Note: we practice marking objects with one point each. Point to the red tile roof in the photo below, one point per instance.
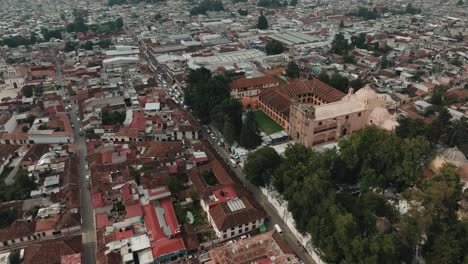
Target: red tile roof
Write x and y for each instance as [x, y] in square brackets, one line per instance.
[71, 259]
[133, 210]
[138, 121]
[102, 220]
[151, 222]
[96, 199]
[252, 82]
[280, 97]
[166, 246]
[123, 234]
[225, 219]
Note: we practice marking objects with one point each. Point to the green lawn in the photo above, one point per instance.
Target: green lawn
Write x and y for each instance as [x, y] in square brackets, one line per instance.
[266, 124]
[281, 81]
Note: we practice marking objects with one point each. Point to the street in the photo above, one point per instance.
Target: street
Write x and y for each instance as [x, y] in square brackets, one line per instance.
[87, 216]
[262, 200]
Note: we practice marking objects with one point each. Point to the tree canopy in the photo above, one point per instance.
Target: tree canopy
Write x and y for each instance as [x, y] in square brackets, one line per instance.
[7, 217]
[227, 118]
[250, 134]
[113, 117]
[336, 196]
[205, 6]
[262, 22]
[340, 45]
[261, 165]
[274, 47]
[292, 71]
[204, 92]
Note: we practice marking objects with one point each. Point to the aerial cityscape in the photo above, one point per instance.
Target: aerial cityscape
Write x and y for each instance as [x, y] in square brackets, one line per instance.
[234, 131]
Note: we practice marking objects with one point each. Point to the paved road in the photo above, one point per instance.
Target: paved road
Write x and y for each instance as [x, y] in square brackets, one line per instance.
[262, 200]
[87, 216]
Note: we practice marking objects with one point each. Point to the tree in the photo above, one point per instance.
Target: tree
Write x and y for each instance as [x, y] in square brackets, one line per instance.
[339, 82]
[15, 258]
[228, 116]
[261, 165]
[356, 84]
[242, 12]
[324, 77]
[411, 128]
[27, 91]
[113, 118]
[104, 43]
[293, 70]
[359, 41]
[250, 134]
[88, 45]
[437, 97]
[70, 46]
[262, 22]
[7, 217]
[205, 6]
[119, 23]
[342, 25]
[158, 17]
[349, 58]
[274, 47]
[293, 2]
[340, 45]
[116, 2]
[460, 2]
[204, 92]
[229, 131]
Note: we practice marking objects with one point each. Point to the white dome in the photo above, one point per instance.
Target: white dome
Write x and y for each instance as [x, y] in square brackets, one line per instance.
[366, 94]
[455, 156]
[379, 114]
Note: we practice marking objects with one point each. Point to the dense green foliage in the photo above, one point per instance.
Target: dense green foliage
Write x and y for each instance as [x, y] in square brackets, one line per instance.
[15, 258]
[292, 71]
[205, 6]
[274, 47]
[108, 27]
[124, 2]
[70, 46]
[227, 118]
[450, 133]
[340, 45]
[19, 40]
[336, 197]
[79, 24]
[88, 45]
[20, 190]
[365, 13]
[104, 43]
[262, 22]
[32, 90]
[261, 165]
[7, 217]
[48, 34]
[272, 3]
[204, 92]
[250, 134]
[242, 12]
[116, 2]
[337, 81]
[113, 118]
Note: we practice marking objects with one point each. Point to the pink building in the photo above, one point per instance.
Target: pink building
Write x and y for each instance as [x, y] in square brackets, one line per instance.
[312, 125]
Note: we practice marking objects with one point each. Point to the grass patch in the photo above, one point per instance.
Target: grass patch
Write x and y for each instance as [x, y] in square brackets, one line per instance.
[6, 171]
[282, 81]
[266, 124]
